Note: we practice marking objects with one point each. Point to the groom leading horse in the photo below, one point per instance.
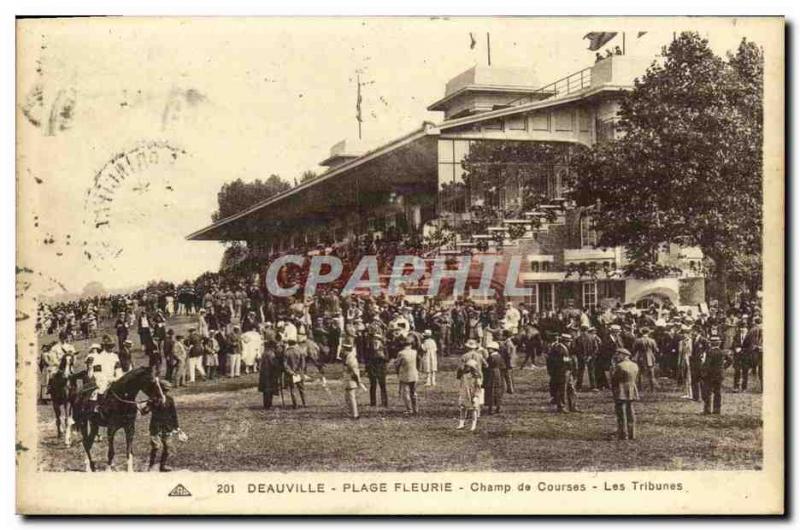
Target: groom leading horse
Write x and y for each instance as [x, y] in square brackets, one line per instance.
[115, 409]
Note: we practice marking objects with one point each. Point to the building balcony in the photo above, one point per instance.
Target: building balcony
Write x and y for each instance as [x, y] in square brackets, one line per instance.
[580, 255]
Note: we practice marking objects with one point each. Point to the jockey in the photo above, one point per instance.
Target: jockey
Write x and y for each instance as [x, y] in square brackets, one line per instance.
[104, 368]
[52, 357]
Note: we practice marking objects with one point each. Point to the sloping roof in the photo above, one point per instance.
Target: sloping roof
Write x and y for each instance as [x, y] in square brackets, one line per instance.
[375, 153]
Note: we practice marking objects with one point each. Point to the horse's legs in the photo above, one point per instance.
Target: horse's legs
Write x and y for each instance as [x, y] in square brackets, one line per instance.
[129, 431]
[88, 432]
[111, 432]
[68, 424]
[57, 410]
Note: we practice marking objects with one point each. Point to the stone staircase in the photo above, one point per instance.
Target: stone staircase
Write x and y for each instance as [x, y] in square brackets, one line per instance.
[494, 234]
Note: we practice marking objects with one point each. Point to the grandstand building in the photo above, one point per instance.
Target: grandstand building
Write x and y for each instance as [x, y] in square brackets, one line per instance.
[417, 184]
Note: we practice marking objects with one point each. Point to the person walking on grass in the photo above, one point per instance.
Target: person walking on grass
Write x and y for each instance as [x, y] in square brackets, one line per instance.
[408, 375]
[494, 384]
[179, 359]
[195, 361]
[645, 352]
[163, 426]
[623, 387]
[469, 390]
[269, 378]
[430, 361]
[715, 362]
[352, 379]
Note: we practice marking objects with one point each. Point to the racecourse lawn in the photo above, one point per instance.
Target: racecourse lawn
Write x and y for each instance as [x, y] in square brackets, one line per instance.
[229, 431]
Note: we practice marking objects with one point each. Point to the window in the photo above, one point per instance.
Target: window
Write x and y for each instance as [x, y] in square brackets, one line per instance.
[540, 121]
[494, 125]
[584, 120]
[564, 120]
[534, 266]
[589, 294]
[588, 233]
[545, 292]
[517, 123]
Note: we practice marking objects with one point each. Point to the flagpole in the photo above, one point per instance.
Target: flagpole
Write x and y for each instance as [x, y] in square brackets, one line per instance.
[488, 49]
[358, 104]
[623, 43]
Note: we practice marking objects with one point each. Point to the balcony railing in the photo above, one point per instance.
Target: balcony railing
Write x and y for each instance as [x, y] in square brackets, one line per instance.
[562, 87]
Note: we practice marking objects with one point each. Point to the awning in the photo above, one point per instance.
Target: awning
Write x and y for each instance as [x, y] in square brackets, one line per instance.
[410, 162]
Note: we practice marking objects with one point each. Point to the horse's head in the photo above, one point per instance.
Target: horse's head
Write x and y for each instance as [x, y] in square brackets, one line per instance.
[138, 380]
[67, 364]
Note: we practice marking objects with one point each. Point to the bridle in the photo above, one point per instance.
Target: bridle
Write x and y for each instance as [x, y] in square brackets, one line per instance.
[135, 402]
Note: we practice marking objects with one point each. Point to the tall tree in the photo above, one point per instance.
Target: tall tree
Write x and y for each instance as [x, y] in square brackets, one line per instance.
[686, 164]
[307, 175]
[238, 195]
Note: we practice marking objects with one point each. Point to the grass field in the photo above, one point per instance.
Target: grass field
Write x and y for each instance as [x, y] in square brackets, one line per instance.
[229, 431]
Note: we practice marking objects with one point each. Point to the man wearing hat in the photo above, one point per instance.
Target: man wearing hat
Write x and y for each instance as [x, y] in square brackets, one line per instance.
[684, 349]
[376, 369]
[700, 346]
[712, 371]
[741, 359]
[125, 356]
[645, 351]
[294, 366]
[754, 346]
[508, 351]
[163, 426]
[407, 374]
[608, 350]
[195, 355]
[51, 358]
[623, 387]
[564, 367]
[104, 369]
[585, 350]
[352, 378]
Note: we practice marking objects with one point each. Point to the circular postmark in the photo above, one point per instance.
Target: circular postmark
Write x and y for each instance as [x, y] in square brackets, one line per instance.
[124, 169]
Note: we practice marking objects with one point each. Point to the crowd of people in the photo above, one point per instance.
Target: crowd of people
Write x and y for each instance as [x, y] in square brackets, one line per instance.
[623, 350]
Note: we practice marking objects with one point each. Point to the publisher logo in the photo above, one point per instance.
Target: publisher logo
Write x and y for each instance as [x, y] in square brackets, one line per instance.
[180, 491]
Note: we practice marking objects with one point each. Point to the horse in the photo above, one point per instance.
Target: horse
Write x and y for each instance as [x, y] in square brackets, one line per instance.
[118, 410]
[63, 393]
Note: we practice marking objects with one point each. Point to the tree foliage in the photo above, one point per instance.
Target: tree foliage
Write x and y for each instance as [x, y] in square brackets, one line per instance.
[686, 164]
[308, 175]
[238, 195]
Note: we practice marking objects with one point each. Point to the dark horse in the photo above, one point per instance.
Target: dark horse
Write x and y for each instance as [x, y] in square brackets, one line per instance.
[116, 411]
[63, 392]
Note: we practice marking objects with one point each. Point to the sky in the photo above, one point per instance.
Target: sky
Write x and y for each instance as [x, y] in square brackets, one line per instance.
[235, 98]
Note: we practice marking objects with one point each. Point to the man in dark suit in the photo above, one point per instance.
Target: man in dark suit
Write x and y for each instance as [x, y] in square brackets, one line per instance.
[608, 349]
[741, 358]
[753, 345]
[700, 347]
[585, 349]
[376, 370]
[294, 366]
[623, 387]
[564, 367]
[712, 372]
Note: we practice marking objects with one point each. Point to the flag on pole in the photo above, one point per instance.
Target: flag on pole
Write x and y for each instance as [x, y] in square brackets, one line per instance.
[358, 102]
[472, 41]
[640, 34]
[598, 39]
